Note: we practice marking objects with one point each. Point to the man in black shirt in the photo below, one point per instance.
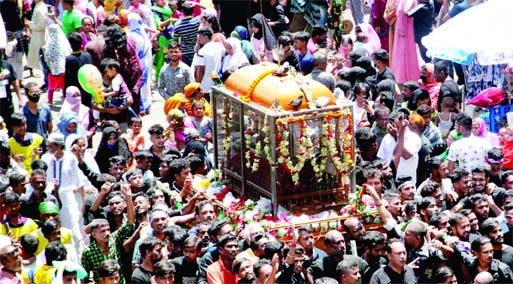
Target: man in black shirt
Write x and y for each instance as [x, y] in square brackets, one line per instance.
[151, 252]
[492, 229]
[396, 271]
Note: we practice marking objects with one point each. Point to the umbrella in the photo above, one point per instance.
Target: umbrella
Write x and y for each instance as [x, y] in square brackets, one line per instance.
[484, 30]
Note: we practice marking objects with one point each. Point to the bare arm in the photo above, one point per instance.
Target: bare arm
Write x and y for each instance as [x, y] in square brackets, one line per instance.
[200, 71]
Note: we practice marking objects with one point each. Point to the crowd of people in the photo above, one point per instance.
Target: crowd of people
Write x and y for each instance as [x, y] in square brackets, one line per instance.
[126, 211]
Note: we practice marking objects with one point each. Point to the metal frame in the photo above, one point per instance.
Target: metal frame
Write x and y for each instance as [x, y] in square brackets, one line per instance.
[220, 93]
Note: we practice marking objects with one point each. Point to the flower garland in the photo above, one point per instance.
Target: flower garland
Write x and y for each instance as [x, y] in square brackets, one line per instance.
[343, 163]
[248, 135]
[267, 141]
[226, 126]
[249, 94]
[323, 153]
[305, 147]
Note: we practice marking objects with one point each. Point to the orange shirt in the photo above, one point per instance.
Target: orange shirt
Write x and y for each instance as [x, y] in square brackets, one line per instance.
[217, 273]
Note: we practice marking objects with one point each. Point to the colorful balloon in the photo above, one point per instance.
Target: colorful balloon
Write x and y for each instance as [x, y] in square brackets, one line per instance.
[90, 79]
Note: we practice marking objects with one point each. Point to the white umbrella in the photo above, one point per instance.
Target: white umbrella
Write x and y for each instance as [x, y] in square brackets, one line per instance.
[485, 30]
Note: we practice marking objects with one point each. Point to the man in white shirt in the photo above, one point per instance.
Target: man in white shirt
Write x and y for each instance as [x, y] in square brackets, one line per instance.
[64, 171]
[207, 60]
[470, 151]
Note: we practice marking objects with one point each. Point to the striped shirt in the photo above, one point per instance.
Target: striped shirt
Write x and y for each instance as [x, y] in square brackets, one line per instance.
[186, 30]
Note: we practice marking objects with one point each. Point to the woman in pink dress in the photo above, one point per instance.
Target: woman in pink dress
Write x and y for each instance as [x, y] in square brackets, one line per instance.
[405, 62]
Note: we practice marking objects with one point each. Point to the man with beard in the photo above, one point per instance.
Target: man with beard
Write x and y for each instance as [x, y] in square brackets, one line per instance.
[222, 271]
[244, 269]
[151, 252]
[426, 256]
[204, 212]
[14, 224]
[492, 229]
[336, 249]
[479, 204]
[461, 183]
[439, 175]
[480, 179]
[10, 258]
[390, 211]
[158, 221]
[216, 231]
[405, 188]
[30, 202]
[433, 190]
[374, 243]
[483, 260]
[396, 271]
[354, 232]
[426, 207]
[100, 248]
[472, 219]
[495, 159]
[508, 216]
[187, 265]
[175, 75]
[387, 175]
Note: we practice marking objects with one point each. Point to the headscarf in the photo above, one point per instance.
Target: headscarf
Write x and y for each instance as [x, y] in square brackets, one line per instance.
[65, 119]
[56, 49]
[237, 60]
[373, 39]
[483, 132]
[194, 146]
[264, 30]
[241, 33]
[48, 207]
[431, 85]
[74, 105]
[142, 43]
[366, 63]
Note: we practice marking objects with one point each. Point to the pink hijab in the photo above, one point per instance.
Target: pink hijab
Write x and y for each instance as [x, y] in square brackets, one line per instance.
[483, 133]
[74, 105]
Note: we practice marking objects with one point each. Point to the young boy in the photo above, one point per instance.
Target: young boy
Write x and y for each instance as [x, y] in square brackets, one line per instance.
[187, 265]
[25, 146]
[134, 137]
[115, 89]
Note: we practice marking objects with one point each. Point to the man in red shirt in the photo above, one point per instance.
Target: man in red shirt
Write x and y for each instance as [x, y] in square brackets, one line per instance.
[221, 270]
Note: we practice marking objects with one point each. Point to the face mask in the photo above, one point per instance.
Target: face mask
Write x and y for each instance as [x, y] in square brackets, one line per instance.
[109, 146]
[34, 98]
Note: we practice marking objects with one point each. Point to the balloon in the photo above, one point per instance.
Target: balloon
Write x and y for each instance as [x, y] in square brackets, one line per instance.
[90, 79]
[488, 97]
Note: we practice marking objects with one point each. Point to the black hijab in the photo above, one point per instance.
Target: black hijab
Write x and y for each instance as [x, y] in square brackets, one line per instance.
[264, 30]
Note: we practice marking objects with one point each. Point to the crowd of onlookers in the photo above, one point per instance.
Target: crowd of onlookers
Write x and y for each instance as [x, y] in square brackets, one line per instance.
[127, 211]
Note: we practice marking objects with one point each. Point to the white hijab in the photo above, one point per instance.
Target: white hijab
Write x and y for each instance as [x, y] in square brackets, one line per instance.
[238, 59]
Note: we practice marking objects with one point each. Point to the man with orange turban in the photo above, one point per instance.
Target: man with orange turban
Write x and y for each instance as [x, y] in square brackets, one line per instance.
[183, 101]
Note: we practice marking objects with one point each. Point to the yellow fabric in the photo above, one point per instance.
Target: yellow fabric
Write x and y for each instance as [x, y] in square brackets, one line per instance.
[66, 237]
[44, 274]
[17, 149]
[175, 102]
[27, 228]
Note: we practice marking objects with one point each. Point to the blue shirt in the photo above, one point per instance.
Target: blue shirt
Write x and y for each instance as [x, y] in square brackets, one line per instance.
[305, 62]
[37, 123]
